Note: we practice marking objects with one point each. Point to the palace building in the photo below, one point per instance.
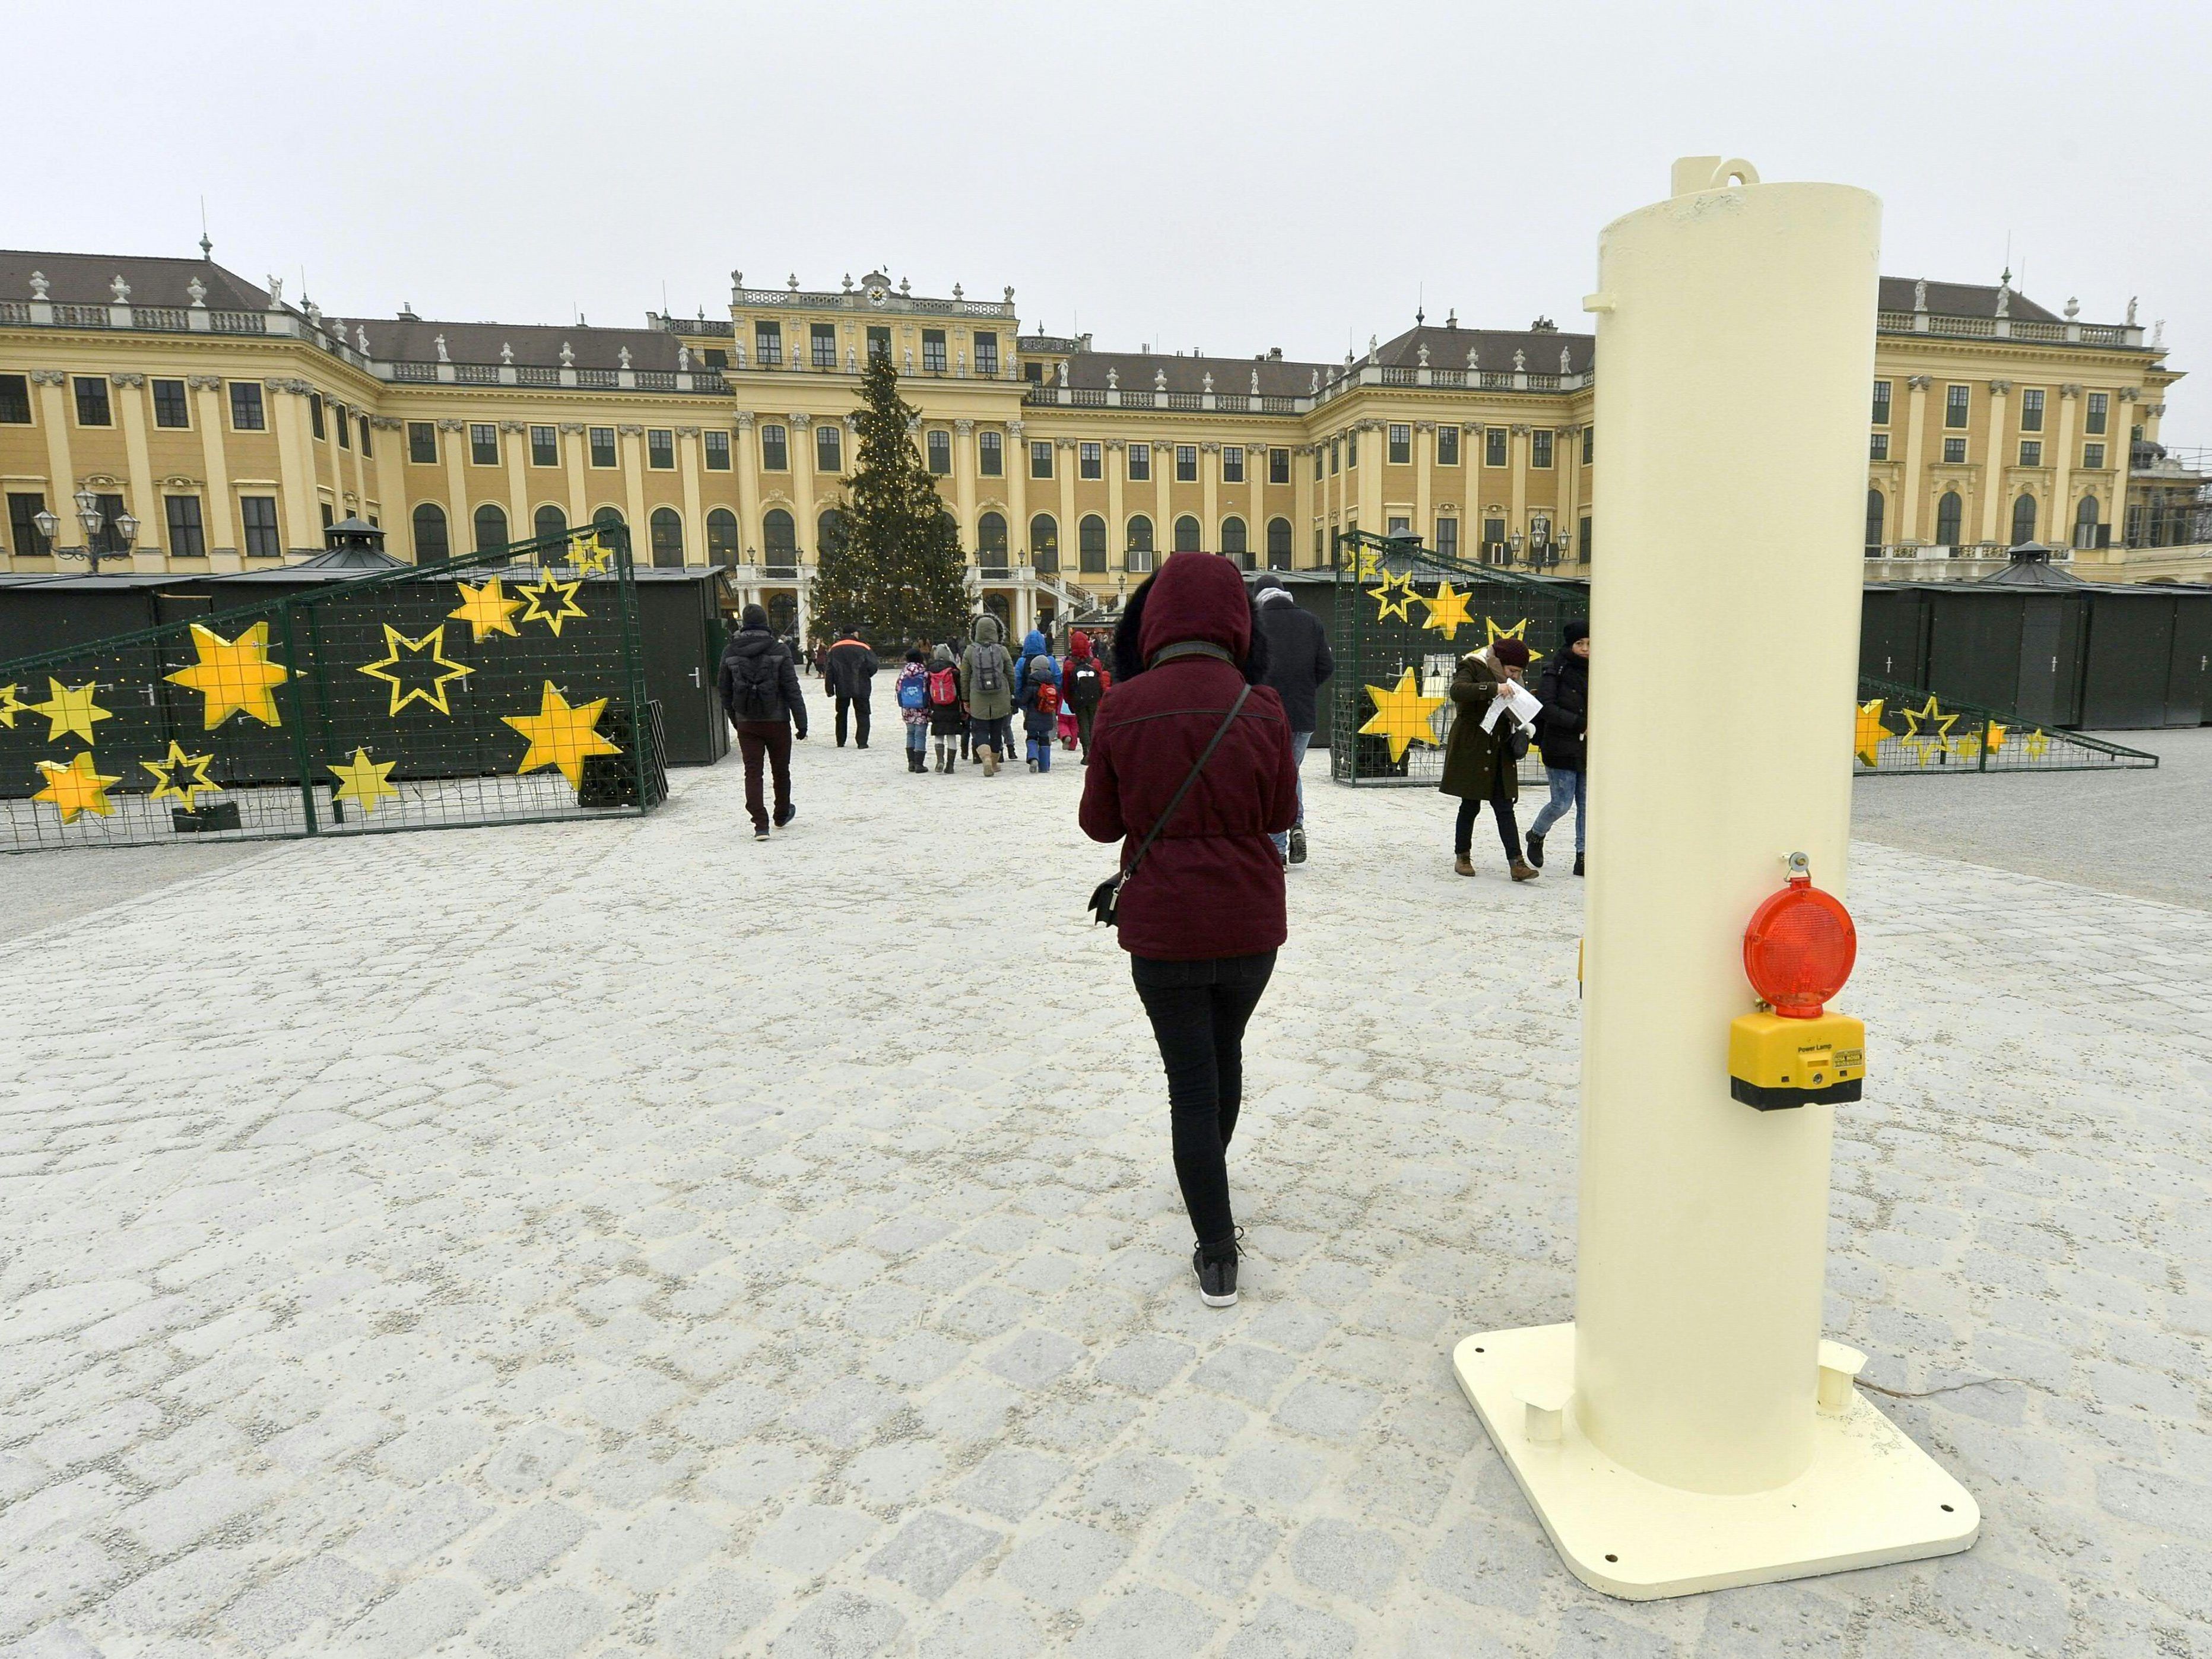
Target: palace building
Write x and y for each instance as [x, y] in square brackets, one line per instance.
[165, 414]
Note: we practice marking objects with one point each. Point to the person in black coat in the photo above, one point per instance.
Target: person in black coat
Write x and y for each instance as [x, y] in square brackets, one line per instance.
[759, 685]
[849, 671]
[1563, 734]
[1298, 665]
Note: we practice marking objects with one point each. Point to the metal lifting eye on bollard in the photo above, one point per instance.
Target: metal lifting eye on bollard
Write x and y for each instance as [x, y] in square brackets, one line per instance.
[1797, 952]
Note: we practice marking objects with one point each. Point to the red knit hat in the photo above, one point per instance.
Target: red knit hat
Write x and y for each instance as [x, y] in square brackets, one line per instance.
[1510, 651]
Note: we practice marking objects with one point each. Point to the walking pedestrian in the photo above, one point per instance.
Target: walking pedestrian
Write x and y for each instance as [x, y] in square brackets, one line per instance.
[1190, 770]
[912, 691]
[1480, 766]
[986, 684]
[948, 721]
[1563, 734]
[1039, 700]
[850, 672]
[1298, 665]
[759, 686]
[1083, 682]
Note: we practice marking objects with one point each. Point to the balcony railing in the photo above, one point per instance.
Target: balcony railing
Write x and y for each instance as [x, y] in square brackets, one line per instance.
[173, 317]
[604, 379]
[537, 377]
[237, 322]
[81, 316]
[413, 371]
[475, 374]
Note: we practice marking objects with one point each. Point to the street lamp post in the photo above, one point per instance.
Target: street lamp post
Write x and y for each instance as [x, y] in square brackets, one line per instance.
[89, 515]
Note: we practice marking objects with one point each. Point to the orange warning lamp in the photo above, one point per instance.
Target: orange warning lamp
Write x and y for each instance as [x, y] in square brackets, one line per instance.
[1797, 951]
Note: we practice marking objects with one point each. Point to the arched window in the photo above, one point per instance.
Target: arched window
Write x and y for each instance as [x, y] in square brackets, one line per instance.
[722, 534]
[491, 528]
[1874, 522]
[1091, 542]
[991, 540]
[2085, 522]
[1948, 511]
[1186, 534]
[1279, 544]
[1141, 543]
[2023, 520]
[549, 521]
[667, 539]
[1044, 542]
[430, 544]
[779, 538]
[829, 532]
[608, 516]
[1232, 543]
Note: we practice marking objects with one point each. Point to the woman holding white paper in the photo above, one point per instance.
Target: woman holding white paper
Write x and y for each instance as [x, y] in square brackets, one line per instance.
[1478, 758]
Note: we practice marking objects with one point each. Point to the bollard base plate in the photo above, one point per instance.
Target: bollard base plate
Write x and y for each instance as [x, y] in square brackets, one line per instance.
[1870, 1498]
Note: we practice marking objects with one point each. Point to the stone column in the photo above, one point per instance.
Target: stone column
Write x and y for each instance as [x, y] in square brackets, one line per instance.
[1255, 476]
[630, 435]
[694, 517]
[1164, 501]
[1209, 480]
[749, 501]
[1567, 464]
[573, 439]
[2061, 505]
[1993, 464]
[964, 478]
[515, 437]
[1916, 481]
[1064, 465]
[222, 530]
[1517, 518]
[298, 500]
[802, 428]
[391, 505]
[1017, 487]
[61, 475]
[1117, 528]
[460, 518]
[1301, 484]
[149, 553]
[1424, 460]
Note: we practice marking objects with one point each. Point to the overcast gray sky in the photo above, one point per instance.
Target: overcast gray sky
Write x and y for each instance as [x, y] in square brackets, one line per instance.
[1225, 176]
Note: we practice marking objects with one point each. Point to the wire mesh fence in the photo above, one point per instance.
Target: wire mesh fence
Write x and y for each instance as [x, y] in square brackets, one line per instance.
[1907, 730]
[502, 688]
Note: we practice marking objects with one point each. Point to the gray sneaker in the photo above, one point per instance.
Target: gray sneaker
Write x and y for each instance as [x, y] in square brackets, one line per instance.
[1216, 1280]
[1298, 845]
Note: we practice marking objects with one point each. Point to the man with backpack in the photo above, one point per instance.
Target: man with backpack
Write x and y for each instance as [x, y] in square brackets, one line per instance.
[849, 670]
[759, 685]
[986, 685]
[1298, 665]
[1083, 682]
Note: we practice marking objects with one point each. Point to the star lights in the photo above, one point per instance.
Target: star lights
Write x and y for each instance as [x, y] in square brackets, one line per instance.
[10, 706]
[1401, 714]
[1869, 732]
[486, 610]
[234, 675]
[1447, 610]
[415, 670]
[77, 788]
[552, 601]
[1927, 730]
[363, 780]
[69, 710]
[179, 776]
[560, 736]
[1386, 585]
[592, 555]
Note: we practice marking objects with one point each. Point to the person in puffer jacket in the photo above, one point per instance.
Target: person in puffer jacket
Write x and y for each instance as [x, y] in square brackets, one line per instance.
[986, 684]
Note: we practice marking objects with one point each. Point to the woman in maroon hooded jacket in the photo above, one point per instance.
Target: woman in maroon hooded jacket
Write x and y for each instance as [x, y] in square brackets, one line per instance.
[1203, 916]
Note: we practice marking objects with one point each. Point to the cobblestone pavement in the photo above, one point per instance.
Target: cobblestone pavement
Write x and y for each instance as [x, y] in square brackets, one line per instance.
[621, 1238]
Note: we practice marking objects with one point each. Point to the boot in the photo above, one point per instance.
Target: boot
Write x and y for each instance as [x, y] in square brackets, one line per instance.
[1463, 866]
[990, 761]
[1578, 864]
[1524, 871]
[1536, 849]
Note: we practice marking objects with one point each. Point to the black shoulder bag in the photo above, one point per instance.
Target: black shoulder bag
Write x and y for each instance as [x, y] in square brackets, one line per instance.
[1106, 897]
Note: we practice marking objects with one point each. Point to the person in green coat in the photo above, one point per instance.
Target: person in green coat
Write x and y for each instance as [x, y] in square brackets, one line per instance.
[1480, 765]
[987, 686]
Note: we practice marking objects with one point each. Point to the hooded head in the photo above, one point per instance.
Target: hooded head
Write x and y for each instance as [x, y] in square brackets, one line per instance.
[1576, 630]
[752, 616]
[1196, 596]
[987, 629]
[943, 659]
[1033, 645]
[1268, 589]
[1078, 644]
[1042, 667]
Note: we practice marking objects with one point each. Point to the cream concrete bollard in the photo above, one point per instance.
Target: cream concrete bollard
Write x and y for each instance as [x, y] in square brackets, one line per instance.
[1690, 1429]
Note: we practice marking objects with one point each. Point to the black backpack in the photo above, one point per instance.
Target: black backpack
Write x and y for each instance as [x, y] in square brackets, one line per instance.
[756, 693]
[1085, 684]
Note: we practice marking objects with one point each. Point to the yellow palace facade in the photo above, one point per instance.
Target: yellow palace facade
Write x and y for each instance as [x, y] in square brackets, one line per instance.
[165, 414]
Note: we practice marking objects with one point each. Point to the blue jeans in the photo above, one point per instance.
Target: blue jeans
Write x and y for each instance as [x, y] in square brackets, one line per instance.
[1567, 788]
[917, 737]
[1298, 742]
[1041, 752]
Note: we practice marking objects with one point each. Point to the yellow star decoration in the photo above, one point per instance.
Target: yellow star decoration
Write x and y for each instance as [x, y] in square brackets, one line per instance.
[561, 736]
[1369, 565]
[486, 610]
[1929, 740]
[2035, 744]
[1401, 714]
[432, 647]
[234, 675]
[1518, 631]
[75, 788]
[551, 602]
[69, 710]
[1866, 739]
[1447, 610]
[1403, 586]
[592, 554]
[180, 776]
[365, 781]
[1994, 739]
[10, 706]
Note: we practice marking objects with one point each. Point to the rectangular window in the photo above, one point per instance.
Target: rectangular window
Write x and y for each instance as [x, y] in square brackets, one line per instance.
[92, 408]
[1033, 373]
[365, 449]
[2030, 410]
[938, 444]
[2031, 451]
[1589, 444]
[2093, 457]
[1140, 463]
[23, 509]
[828, 447]
[768, 344]
[822, 346]
[718, 451]
[879, 341]
[1956, 401]
[170, 407]
[545, 447]
[483, 443]
[14, 401]
[422, 439]
[1493, 446]
[932, 350]
[1335, 456]
[775, 451]
[1279, 466]
[1186, 462]
[2100, 405]
[1878, 447]
[1881, 402]
[248, 411]
[1954, 452]
[714, 357]
[345, 426]
[1448, 449]
[315, 414]
[603, 445]
[1398, 526]
[258, 515]
[660, 448]
[1448, 536]
[187, 539]
[1351, 450]
[1493, 533]
[1040, 459]
[1232, 463]
[1401, 445]
[991, 454]
[987, 353]
[329, 518]
[1540, 447]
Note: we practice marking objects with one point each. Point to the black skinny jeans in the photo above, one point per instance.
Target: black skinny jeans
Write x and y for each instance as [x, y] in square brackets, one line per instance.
[1198, 1011]
[1501, 808]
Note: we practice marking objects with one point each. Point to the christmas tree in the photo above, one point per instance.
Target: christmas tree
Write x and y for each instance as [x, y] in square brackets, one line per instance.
[895, 576]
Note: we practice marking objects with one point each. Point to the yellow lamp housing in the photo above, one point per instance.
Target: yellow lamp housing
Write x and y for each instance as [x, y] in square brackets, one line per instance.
[1775, 1063]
